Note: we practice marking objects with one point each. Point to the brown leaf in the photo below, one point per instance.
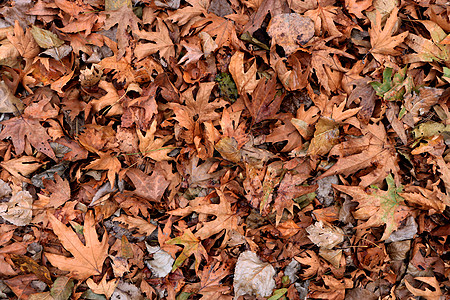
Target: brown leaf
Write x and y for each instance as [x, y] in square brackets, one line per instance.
[192, 246]
[161, 42]
[226, 218]
[265, 100]
[87, 259]
[104, 287]
[427, 293]
[378, 207]
[19, 128]
[382, 41]
[358, 153]
[59, 191]
[124, 18]
[246, 82]
[149, 187]
[24, 42]
[290, 31]
[108, 163]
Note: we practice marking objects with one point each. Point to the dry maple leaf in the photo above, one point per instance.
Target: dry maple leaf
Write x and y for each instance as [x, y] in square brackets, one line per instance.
[106, 162]
[382, 41]
[222, 29]
[24, 42]
[226, 218]
[142, 225]
[153, 147]
[124, 18]
[196, 111]
[356, 7]
[378, 207]
[149, 187]
[111, 100]
[288, 190]
[59, 190]
[373, 149]
[211, 276]
[324, 18]
[20, 127]
[87, 259]
[161, 42]
[104, 287]
[265, 101]
[192, 245]
[246, 82]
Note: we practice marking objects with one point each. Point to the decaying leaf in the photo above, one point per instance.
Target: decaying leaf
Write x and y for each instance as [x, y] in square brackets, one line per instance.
[252, 276]
[325, 236]
[19, 209]
[290, 31]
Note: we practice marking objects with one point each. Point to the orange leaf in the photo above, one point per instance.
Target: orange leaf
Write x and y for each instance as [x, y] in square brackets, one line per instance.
[87, 259]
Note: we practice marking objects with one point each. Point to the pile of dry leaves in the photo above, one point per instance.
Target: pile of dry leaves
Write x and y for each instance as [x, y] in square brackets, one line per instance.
[214, 149]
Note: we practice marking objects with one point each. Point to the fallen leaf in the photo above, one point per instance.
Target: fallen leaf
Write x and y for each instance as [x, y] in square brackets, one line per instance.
[150, 187]
[19, 209]
[382, 41]
[427, 293]
[246, 81]
[378, 207]
[103, 287]
[290, 31]
[191, 246]
[19, 128]
[252, 276]
[87, 258]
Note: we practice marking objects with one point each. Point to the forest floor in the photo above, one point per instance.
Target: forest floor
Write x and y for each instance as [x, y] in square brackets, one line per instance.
[214, 149]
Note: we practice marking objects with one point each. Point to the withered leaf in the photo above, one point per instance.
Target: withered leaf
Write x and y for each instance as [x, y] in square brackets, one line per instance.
[87, 258]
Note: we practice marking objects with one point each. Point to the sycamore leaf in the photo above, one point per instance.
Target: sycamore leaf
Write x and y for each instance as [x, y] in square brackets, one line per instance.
[20, 127]
[226, 218]
[265, 101]
[246, 82]
[252, 276]
[87, 259]
[124, 18]
[153, 147]
[382, 40]
[192, 245]
[290, 31]
[196, 110]
[222, 29]
[160, 41]
[24, 42]
[149, 187]
[106, 162]
[104, 287]
[356, 7]
[59, 190]
[378, 207]
[372, 149]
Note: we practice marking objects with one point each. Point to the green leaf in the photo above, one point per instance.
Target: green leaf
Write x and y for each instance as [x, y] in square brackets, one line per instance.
[184, 296]
[277, 294]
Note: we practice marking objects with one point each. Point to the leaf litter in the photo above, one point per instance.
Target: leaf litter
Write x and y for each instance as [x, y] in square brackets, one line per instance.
[224, 149]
